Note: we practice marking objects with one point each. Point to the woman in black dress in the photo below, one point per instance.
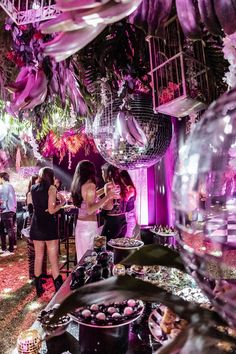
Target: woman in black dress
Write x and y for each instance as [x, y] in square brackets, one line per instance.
[44, 226]
[30, 244]
[115, 224]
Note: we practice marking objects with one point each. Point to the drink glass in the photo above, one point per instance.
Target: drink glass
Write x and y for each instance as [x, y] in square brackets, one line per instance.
[117, 191]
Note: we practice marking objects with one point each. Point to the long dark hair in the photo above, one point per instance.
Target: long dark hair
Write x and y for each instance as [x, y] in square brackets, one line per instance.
[46, 176]
[104, 170]
[113, 175]
[85, 171]
[125, 177]
[32, 181]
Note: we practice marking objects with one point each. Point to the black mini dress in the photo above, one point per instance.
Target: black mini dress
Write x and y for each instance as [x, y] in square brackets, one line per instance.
[44, 225]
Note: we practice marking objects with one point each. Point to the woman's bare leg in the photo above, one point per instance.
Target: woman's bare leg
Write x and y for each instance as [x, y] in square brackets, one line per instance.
[39, 253]
[52, 248]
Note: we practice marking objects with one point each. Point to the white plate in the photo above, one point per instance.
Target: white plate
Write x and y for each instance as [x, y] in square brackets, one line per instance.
[125, 247]
[173, 234]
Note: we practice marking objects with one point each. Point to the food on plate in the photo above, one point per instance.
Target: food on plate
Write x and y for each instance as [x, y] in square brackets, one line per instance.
[125, 242]
[109, 315]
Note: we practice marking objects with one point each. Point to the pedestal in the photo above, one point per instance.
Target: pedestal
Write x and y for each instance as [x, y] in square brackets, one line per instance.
[98, 340]
[120, 254]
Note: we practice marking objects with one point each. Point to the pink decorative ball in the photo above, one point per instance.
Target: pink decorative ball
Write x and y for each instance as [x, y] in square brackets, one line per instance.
[131, 302]
[116, 315]
[101, 316]
[86, 313]
[94, 307]
[128, 311]
[111, 310]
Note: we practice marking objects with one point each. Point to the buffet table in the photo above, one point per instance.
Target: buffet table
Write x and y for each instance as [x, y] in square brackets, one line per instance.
[68, 342]
[142, 334]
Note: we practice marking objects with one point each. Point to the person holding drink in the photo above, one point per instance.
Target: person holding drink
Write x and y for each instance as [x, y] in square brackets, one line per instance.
[84, 196]
[43, 228]
[115, 224]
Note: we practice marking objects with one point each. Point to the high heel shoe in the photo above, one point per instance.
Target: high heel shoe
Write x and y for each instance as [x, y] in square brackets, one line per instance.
[58, 282]
[39, 286]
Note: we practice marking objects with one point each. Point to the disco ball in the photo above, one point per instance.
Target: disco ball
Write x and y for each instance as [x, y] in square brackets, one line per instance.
[122, 150]
[205, 204]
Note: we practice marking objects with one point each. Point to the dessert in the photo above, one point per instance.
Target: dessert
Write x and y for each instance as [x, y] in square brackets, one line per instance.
[131, 303]
[125, 242]
[164, 323]
[56, 328]
[111, 310]
[128, 311]
[86, 313]
[109, 315]
[94, 307]
[145, 269]
[160, 229]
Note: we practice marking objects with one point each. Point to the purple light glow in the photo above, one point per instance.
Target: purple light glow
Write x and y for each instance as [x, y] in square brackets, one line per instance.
[140, 179]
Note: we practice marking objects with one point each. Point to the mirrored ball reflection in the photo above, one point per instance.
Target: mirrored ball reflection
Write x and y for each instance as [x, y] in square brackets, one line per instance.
[156, 129]
[205, 204]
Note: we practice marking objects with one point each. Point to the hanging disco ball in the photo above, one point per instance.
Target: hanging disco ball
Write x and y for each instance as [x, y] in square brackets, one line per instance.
[205, 204]
[133, 138]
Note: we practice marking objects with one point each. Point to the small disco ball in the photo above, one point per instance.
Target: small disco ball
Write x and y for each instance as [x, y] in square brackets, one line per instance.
[127, 154]
[205, 204]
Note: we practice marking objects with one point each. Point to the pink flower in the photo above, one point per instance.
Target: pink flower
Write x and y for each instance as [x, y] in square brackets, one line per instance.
[23, 27]
[10, 55]
[172, 86]
[37, 35]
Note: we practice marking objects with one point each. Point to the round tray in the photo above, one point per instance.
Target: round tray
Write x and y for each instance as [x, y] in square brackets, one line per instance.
[125, 247]
[109, 326]
[163, 234]
[154, 327]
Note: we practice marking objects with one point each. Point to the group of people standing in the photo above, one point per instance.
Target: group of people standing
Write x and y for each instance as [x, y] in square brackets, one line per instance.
[114, 203]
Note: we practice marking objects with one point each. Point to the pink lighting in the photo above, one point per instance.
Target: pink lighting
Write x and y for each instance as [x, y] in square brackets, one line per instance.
[140, 179]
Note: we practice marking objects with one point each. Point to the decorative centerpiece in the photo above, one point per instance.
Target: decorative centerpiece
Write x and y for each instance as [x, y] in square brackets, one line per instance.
[164, 230]
[123, 246]
[179, 73]
[125, 243]
[99, 243]
[57, 328]
[165, 235]
[104, 329]
[164, 324]
[131, 138]
[29, 342]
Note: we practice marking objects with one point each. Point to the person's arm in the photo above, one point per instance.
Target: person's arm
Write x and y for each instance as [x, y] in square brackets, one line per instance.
[90, 197]
[100, 192]
[29, 199]
[52, 196]
[104, 189]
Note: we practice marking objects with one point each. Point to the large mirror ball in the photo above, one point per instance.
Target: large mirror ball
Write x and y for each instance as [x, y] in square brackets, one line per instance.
[205, 204]
[119, 147]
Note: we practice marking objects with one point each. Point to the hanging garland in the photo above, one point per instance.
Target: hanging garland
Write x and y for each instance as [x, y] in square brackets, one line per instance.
[70, 142]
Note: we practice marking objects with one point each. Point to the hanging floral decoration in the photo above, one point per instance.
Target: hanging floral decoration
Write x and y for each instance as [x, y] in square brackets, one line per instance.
[40, 80]
[168, 93]
[229, 50]
[70, 142]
